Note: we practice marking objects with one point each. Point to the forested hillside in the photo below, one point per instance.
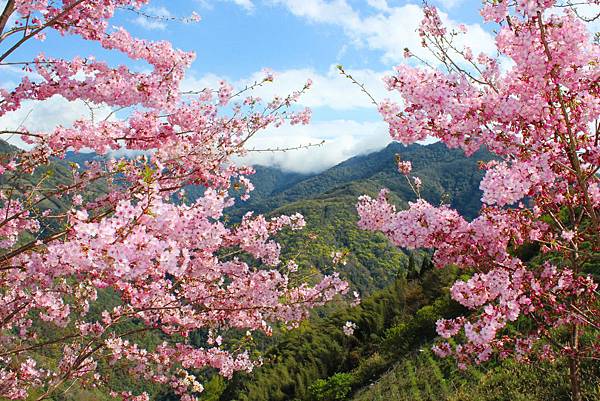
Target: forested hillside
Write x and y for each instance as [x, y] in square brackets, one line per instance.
[446, 174]
[389, 357]
[327, 200]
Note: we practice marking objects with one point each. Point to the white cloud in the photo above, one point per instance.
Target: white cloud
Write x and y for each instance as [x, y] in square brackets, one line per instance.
[330, 89]
[333, 12]
[379, 4]
[154, 19]
[152, 25]
[205, 4]
[44, 116]
[390, 30]
[343, 139]
[247, 5]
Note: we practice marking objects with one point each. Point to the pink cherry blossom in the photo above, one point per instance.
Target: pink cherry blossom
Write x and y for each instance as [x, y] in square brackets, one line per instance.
[174, 267]
[404, 167]
[538, 116]
[349, 328]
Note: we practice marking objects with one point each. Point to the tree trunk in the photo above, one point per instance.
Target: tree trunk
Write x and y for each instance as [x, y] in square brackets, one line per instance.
[574, 371]
[574, 376]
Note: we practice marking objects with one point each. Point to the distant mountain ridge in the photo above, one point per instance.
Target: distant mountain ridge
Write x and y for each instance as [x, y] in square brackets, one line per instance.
[443, 172]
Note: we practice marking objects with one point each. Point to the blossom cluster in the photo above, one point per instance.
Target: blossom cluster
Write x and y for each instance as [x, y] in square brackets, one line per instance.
[538, 117]
[176, 267]
[349, 328]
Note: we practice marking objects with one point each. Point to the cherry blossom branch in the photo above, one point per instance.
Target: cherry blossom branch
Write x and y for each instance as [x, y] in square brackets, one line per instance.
[8, 11]
[279, 149]
[36, 31]
[355, 82]
[571, 143]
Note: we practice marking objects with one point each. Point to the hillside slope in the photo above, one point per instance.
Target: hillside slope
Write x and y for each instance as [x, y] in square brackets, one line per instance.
[444, 172]
[328, 199]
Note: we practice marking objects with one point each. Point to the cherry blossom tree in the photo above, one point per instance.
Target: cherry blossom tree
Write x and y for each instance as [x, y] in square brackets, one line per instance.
[536, 107]
[176, 267]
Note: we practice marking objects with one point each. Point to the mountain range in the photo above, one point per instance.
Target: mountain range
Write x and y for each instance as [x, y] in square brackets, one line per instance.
[445, 174]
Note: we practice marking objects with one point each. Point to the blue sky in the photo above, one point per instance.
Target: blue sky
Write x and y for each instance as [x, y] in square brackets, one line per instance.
[235, 39]
[298, 39]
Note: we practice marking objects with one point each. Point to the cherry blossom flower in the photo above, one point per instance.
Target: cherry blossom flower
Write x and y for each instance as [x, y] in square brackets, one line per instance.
[349, 328]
